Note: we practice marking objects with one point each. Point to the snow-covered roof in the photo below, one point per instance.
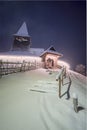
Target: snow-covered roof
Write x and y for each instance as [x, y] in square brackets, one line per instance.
[51, 50]
[23, 31]
[30, 52]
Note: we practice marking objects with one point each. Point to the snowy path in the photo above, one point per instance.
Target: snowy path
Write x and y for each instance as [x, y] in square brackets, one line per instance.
[22, 109]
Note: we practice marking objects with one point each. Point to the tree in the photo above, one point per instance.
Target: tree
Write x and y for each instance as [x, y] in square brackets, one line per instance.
[80, 68]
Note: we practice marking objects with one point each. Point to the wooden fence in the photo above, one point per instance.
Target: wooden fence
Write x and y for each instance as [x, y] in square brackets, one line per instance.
[60, 78]
[7, 67]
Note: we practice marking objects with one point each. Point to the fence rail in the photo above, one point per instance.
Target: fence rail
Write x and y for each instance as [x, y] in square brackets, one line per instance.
[7, 67]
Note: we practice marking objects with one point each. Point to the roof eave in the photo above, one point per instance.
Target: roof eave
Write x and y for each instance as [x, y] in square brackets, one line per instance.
[44, 53]
[21, 35]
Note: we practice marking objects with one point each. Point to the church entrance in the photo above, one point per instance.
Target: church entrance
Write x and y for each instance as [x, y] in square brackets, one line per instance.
[50, 63]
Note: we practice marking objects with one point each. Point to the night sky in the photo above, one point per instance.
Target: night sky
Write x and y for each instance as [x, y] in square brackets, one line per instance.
[61, 24]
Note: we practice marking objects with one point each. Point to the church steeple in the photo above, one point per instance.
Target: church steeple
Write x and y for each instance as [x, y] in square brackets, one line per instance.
[23, 31]
[22, 39]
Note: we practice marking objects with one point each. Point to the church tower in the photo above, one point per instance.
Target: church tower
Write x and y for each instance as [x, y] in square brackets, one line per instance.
[22, 39]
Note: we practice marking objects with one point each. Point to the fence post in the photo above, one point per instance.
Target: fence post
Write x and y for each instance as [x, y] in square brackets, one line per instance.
[21, 67]
[65, 72]
[75, 102]
[59, 86]
[35, 64]
[24, 66]
[0, 68]
[28, 65]
[62, 77]
[7, 67]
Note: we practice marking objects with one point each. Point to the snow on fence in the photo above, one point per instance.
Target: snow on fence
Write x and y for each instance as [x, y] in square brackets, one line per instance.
[8, 67]
[60, 78]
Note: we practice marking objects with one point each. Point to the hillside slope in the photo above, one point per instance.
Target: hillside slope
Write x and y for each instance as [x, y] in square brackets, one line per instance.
[23, 109]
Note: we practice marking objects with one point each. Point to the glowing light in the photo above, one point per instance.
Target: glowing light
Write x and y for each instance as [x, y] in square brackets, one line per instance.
[19, 58]
[63, 63]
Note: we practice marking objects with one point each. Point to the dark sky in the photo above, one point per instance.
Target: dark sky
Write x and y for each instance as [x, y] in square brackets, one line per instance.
[61, 24]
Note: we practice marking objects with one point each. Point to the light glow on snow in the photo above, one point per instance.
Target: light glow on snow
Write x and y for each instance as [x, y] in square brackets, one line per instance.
[19, 58]
[63, 63]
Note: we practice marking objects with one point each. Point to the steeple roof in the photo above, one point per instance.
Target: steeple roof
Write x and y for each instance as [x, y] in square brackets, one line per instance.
[23, 31]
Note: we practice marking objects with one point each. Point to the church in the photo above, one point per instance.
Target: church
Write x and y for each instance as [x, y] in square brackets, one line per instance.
[22, 47]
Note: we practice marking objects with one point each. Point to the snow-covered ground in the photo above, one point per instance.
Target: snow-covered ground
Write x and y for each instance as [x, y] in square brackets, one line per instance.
[29, 101]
